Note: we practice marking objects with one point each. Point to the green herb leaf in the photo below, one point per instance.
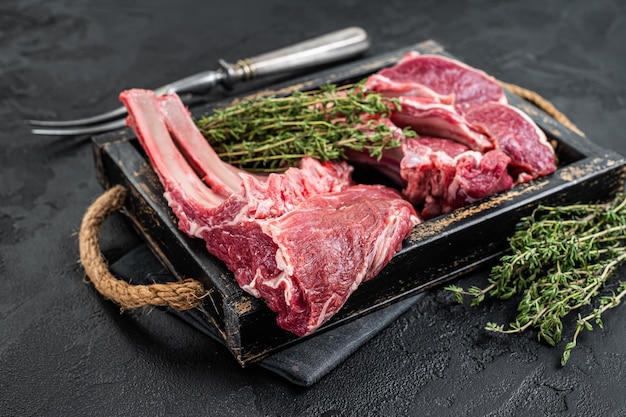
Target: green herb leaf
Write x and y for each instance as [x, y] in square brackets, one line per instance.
[560, 262]
[273, 133]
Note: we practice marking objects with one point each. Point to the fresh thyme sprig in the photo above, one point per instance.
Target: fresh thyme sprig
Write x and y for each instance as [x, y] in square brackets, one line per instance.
[272, 133]
[561, 259]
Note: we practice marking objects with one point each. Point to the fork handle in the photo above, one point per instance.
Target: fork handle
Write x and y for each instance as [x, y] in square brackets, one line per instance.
[321, 50]
[333, 46]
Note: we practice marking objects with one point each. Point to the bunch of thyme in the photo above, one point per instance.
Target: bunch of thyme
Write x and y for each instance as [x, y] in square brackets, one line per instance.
[273, 133]
[560, 261]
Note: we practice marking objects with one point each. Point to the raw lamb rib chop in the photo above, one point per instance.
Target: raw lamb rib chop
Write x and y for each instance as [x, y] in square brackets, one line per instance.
[434, 75]
[303, 240]
[434, 92]
[446, 99]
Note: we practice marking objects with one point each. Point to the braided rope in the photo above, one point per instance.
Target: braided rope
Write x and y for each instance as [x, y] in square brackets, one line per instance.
[179, 295]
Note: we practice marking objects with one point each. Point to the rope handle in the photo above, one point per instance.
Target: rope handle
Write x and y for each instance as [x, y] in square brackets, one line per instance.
[188, 293]
[179, 295]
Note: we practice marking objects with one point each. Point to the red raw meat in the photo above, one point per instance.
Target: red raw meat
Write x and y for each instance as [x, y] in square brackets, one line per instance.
[388, 87]
[505, 145]
[517, 135]
[428, 167]
[442, 175]
[479, 176]
[446, 77]
[303, 240]
[329, 245]
[430, 118]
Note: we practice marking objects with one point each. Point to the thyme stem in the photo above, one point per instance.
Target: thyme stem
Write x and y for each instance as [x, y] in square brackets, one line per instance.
[273, 133]
[561, 261]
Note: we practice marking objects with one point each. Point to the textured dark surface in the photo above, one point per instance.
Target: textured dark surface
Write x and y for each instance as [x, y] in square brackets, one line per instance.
[303, 363]
[66, 351]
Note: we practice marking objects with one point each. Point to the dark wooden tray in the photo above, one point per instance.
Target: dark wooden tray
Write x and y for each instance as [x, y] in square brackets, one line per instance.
[437, 251]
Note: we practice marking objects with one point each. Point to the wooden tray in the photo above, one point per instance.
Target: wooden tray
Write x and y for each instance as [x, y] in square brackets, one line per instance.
[436, 251]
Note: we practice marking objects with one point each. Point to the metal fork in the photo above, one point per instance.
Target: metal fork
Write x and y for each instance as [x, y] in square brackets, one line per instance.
[331, 47]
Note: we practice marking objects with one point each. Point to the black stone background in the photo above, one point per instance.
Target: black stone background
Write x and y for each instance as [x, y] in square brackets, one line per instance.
[66, 351]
